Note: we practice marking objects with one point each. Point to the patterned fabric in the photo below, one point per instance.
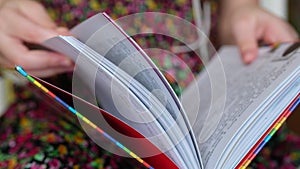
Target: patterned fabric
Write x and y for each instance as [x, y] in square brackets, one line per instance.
[72, 12]
[34, 136]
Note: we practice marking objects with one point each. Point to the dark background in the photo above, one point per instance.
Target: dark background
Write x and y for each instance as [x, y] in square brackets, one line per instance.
[294, 13]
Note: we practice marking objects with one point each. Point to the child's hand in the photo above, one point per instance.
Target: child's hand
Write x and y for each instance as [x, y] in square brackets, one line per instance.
[27, 21]
[246, 25]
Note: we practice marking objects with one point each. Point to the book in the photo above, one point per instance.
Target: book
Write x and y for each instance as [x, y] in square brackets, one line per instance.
[222, 119]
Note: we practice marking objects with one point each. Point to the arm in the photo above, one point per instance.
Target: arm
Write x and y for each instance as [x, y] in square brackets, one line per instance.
[26, 21]
[244, 23]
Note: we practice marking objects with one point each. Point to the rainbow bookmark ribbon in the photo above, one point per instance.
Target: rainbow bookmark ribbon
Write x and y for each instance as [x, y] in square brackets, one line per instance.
[45, 90]
[270, 132]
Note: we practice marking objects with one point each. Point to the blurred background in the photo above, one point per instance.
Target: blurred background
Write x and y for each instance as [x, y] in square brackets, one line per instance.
[293, 13]
[286, 9]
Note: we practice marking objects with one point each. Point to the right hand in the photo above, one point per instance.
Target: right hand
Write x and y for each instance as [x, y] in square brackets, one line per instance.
[245, 23]
[26, 21]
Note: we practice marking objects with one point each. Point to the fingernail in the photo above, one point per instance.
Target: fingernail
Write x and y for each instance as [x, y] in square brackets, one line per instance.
[63, 31]
[66, 62]
[248, 58]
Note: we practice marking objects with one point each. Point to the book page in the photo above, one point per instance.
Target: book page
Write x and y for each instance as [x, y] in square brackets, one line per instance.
[256, 94]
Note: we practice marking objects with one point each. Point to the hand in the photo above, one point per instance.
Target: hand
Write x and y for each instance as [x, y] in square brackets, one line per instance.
[26, 21]
[246, 25]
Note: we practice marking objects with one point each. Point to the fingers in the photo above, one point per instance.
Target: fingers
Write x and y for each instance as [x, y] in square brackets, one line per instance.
[39, 15]
[249, 24]
[24, 29]
[38, 59]
[244, 34]
[27, 21]
[37, 71]
[32, 59]
[49, 71]
[40, 63]
[278, 30]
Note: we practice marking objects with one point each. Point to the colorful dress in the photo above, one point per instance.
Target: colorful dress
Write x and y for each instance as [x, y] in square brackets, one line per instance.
[33, 136]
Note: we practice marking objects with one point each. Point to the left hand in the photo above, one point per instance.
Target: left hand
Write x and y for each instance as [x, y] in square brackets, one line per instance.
[27, 22]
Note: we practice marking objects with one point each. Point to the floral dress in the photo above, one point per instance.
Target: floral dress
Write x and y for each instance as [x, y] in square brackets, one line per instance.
[33, 136]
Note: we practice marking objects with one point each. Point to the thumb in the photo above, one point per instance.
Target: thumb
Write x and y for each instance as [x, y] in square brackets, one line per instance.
[245, 38]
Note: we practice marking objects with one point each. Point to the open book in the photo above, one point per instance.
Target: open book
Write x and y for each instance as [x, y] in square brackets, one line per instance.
[221, 121]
